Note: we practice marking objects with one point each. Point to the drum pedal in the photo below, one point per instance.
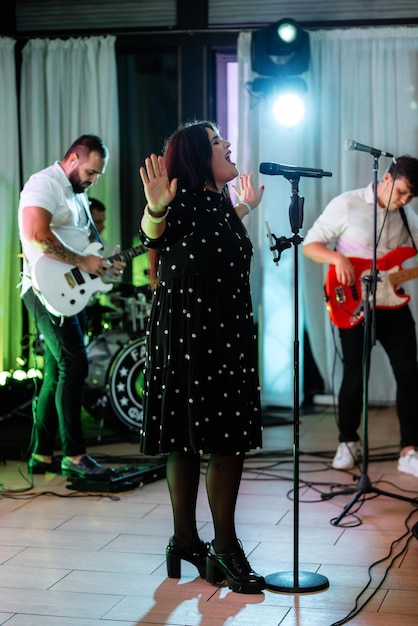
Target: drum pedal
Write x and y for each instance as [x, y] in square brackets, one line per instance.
[123, 479]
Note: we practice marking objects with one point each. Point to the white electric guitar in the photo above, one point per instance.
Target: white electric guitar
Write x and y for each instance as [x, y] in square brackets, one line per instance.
[66, 290]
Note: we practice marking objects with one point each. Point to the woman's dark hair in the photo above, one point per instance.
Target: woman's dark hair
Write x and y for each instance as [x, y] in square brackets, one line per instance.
[188, 155]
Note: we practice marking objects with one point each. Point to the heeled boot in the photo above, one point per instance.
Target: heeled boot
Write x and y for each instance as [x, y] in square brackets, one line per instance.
[234, 567]
[194, 554]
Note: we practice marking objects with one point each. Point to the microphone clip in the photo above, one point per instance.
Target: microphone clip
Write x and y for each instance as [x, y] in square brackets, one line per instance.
[282, 243]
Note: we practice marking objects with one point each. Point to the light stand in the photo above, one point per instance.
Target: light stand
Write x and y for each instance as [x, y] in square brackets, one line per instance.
[370, 282]
[294, 581]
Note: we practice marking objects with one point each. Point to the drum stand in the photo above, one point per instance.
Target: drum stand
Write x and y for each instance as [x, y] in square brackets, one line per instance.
[296, 581]
[138, 313]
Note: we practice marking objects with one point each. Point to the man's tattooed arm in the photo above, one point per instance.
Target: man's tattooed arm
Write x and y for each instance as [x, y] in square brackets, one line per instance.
[53, 247]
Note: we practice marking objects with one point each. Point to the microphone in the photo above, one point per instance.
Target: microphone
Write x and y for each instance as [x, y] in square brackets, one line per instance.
[289, 171]
[350, 144]
[274, 249]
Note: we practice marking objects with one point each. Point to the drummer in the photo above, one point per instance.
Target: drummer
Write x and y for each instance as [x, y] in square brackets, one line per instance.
[101, 311]
[135, 297]
[98, 214]
[124, 304]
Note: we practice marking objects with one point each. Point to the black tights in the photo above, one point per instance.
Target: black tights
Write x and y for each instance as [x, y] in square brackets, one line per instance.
[223, 477]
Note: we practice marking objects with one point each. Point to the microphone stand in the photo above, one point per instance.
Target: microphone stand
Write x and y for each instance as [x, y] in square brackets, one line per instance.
[364, 484]
[294, 581]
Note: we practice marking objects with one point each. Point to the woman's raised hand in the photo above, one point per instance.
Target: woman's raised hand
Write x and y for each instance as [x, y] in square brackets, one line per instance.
[159, 190]
[247, 192]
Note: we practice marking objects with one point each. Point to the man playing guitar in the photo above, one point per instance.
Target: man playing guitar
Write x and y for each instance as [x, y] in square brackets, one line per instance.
[343, 237]
[55, 225]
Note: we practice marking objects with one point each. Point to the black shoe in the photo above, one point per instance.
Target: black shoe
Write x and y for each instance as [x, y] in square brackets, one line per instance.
[87, 467]
[35, 466]
[236, 569]
[194, 554]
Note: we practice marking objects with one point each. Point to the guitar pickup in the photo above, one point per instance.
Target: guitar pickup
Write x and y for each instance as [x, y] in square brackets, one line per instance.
[339, 295]
[70, 279]
[74, 278]
[77, 278]
[354, 292]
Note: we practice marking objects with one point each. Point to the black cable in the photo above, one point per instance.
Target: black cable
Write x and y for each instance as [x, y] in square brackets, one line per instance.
[408, 535]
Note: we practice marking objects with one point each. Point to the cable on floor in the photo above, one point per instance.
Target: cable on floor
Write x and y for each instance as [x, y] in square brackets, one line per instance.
[407, 536]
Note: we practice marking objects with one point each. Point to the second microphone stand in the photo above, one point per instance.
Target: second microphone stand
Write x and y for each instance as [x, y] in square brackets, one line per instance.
[294, 581]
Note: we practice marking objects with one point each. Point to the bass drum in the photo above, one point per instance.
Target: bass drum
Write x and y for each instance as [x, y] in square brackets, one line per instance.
[114, 385]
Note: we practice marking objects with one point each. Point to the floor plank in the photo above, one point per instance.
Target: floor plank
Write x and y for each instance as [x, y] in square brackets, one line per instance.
[85, 559]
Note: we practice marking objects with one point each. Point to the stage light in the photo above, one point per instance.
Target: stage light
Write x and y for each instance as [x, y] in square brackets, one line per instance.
[286, 98]
[289, 109]
[280, 49]
[19, 375]
[4, 378]
[279, 54]
[287, 32]
[33, 372]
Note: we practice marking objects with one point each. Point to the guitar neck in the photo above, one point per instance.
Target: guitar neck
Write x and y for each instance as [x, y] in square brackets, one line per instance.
[396, 278]
[127, 255]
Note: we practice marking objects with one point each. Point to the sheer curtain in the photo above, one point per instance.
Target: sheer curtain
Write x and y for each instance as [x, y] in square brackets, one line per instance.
[10, 307]
[363, 85]
[68, 88]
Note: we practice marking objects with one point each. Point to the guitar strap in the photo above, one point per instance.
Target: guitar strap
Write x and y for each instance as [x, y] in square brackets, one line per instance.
[405, 221]
[90, 221]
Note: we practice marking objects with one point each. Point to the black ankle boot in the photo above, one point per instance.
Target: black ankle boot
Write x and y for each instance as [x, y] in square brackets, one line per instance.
[194, 554]
[235, 568]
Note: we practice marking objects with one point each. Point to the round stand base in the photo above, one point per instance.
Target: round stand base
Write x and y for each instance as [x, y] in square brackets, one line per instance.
[306, 582]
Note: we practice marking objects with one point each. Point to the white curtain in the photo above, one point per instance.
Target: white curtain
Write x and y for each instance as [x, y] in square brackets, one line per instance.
[10, 308]
[363, 85]
[68, 88]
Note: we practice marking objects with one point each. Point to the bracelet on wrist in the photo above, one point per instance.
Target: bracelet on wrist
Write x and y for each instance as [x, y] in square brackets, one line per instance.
[246, 204]
[155, 218]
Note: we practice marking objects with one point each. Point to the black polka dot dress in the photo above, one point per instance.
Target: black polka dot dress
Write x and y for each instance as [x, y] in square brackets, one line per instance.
[201, 387]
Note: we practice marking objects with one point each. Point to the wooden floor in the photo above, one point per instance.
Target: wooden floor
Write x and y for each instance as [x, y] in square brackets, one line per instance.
[72, 558]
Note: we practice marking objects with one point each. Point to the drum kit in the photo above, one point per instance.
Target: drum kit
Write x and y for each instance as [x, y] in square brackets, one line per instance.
[116, 354]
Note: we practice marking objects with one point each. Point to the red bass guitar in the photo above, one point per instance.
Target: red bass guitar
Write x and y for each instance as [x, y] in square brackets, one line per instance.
[345, 303]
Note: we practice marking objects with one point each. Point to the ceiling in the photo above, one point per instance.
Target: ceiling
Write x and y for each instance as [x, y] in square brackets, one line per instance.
[84, 15]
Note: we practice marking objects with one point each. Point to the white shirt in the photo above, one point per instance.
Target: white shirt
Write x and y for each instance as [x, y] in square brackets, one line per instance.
[50, 189]
[347, 224]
